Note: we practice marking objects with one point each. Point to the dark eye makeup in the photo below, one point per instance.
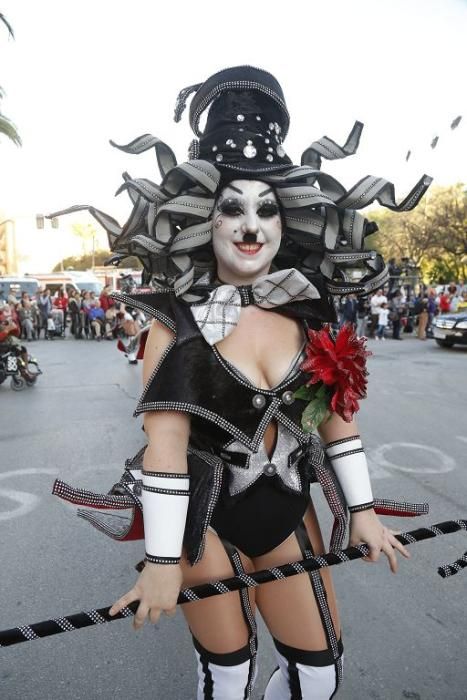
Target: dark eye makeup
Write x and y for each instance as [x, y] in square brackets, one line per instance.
[230, 207]
[268, 208]
[233, 207]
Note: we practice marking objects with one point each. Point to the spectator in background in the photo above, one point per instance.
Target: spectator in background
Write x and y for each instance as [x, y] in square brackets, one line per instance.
[431, 307]
[444, 302]
[383, 315]
[422, 310]
[60, 303]
[105, 299]
[362, 314]
[454, 303]
[26, 318]
[349, 310]
[96, 317]
[376, 301]
[45, 309]
[110, 322]
[396, 311]
[74, 309]
[86, 304]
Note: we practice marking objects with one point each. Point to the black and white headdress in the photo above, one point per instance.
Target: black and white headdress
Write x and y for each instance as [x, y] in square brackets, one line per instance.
[169, 228]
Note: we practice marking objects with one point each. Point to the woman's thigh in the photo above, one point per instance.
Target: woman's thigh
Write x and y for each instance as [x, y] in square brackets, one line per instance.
[289, 607]
[218, 623]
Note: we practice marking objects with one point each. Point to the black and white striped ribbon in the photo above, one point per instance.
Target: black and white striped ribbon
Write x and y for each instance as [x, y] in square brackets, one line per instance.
[235, 583]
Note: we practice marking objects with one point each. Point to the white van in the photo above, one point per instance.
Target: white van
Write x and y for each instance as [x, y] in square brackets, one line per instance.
[70, 281]
[10, 285]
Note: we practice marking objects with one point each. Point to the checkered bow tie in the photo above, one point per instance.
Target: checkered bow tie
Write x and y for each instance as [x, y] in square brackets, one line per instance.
[218, 315]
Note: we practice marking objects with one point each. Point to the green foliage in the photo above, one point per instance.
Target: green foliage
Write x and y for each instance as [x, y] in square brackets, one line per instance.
[318, 396]
[434, 235]
[83, 262]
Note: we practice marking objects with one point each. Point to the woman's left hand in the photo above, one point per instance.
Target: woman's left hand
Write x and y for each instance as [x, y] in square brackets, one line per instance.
[366, 527]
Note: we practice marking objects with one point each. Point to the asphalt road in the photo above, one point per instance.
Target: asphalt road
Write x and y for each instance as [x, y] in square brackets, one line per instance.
[404, 635]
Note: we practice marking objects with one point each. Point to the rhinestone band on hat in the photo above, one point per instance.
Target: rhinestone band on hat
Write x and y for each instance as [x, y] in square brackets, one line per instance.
[251, 149]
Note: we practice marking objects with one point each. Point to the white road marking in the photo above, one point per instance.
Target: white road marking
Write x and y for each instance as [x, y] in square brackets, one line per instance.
[27, 501]
[380, 459]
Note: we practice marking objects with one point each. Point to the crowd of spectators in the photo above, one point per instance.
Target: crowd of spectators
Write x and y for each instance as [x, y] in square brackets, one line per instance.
[400, 310]
[83, 315]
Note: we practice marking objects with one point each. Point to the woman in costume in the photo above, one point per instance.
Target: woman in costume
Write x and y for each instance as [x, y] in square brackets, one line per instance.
[242, 251]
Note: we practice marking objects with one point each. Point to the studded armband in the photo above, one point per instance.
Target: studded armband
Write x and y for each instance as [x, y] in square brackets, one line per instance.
[165, 504]
[351, 468]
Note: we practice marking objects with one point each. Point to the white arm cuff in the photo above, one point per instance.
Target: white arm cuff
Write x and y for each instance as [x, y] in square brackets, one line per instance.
[165, 504]
[351, 468]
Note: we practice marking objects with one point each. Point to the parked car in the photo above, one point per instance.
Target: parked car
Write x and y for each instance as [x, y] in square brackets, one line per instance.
[449, 329]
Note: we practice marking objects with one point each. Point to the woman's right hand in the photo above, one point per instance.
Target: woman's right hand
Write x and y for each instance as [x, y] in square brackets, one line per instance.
[157, 590]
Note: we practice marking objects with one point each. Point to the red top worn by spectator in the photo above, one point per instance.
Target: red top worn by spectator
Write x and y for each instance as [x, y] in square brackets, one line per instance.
[7, 327]
[105, 300]
[60, 301]
[444, 303]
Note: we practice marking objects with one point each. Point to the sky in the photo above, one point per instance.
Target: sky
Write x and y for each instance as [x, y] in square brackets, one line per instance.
[81, 73]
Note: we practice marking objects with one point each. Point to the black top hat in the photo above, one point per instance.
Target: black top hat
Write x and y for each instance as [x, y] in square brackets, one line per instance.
[246, 123]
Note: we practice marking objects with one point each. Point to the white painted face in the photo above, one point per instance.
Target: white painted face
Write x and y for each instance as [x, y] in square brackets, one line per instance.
[246, 231]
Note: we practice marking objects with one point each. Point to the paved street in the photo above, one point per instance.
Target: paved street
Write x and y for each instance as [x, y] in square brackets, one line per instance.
[404, 635]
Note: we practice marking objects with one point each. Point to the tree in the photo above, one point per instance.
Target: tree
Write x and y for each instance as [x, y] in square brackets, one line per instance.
[433, 236]
[7, 128]
[83, 262]
[450, 218]
[87, 233]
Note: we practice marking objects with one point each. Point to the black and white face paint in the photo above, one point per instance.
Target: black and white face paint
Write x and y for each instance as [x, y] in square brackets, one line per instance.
[246, 232]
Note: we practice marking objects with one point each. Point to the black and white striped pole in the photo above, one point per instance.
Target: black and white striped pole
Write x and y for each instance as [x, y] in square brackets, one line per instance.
[80, 620]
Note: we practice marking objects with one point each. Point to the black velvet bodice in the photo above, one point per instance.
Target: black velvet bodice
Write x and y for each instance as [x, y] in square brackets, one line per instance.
[194, 377]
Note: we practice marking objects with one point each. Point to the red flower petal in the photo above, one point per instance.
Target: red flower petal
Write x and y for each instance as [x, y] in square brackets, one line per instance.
[340, 364]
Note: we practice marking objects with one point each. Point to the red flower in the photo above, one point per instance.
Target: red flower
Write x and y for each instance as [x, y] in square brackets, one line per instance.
[340, 365]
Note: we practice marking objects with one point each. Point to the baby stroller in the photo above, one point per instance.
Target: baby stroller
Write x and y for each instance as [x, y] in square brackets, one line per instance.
[55, 324]
[13, 364]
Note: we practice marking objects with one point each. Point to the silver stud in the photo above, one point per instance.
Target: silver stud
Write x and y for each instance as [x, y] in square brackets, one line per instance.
[269, 469]
[228, 142]
[233, 145]
[280, 151]
[270, 149]
[288, 398]
[269, 157]
[258, 118]
[258, 401]
[249, 151]
[277, 128]
[241, 128]
[267, 141]
[219, 157]
[214, 149]
[240, 117]
[271, 126]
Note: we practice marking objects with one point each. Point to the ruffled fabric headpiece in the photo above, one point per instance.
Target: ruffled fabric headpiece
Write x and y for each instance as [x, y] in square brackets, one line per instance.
[169, 228]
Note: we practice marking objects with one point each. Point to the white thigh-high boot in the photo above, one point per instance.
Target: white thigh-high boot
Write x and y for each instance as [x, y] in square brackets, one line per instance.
[225, 676]
[303, 675]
